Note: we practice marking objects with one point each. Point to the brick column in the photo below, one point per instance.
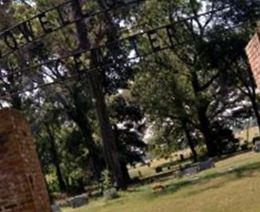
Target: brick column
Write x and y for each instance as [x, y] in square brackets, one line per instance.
[253, 53]
[22, 186]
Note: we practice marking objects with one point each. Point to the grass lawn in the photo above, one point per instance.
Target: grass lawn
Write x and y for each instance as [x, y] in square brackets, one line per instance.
[234, 185]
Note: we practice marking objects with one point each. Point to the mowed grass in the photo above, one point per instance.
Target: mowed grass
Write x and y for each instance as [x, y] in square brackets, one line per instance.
[233, 185]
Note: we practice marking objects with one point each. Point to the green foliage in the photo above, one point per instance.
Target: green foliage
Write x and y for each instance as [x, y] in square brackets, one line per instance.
[127, 114]
[107, 180]
[52, 182]
[109, 190]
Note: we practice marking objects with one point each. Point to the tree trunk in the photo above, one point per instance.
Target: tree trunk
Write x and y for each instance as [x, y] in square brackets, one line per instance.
[108, 139]
[123, 162]
[55, 159]
[190, 141]
[125, 172]
[84, 126]
[204, 123]
[255, 109]
[207, 133]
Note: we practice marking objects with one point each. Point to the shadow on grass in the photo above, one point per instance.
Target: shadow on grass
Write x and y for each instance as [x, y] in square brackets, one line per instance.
[237, 173]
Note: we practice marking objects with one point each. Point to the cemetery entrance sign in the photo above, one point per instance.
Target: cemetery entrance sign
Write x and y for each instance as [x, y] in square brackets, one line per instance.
[49, 21]
[45, 25]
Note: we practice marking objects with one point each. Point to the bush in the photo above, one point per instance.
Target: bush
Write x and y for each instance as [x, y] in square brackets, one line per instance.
[106, 180]
[109, 191]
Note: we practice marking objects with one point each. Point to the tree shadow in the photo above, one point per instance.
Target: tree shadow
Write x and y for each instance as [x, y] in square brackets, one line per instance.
[133, 190]
[237, 173]
[219, 185]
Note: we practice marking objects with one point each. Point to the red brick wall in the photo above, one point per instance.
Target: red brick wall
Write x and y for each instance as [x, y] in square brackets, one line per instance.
[22, 186]
[253, 53]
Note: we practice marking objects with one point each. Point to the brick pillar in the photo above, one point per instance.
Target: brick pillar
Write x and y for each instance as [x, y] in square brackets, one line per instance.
[253, 53]
[22, 186]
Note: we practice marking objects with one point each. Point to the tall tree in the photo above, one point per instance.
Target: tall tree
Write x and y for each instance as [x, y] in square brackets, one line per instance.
[108, 138]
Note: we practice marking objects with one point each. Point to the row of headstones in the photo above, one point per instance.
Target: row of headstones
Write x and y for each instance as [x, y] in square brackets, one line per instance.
[200, 166]
[73, 202]
[83, 199]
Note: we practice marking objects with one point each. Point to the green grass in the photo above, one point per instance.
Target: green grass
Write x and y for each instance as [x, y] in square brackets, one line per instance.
[214, 190]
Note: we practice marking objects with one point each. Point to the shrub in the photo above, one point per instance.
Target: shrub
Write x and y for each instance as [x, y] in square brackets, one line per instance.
[109, 191]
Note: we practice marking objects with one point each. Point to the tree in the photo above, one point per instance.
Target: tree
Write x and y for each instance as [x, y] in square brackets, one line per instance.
[198, 57]
[168, 96]
[108, 139]
[128, 128]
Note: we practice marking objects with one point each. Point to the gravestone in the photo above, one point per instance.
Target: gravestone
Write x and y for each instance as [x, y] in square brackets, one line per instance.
[191, 170]
[257, 146]
[78, 201]
[55, 208]
[22, 186]
[206, 164]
